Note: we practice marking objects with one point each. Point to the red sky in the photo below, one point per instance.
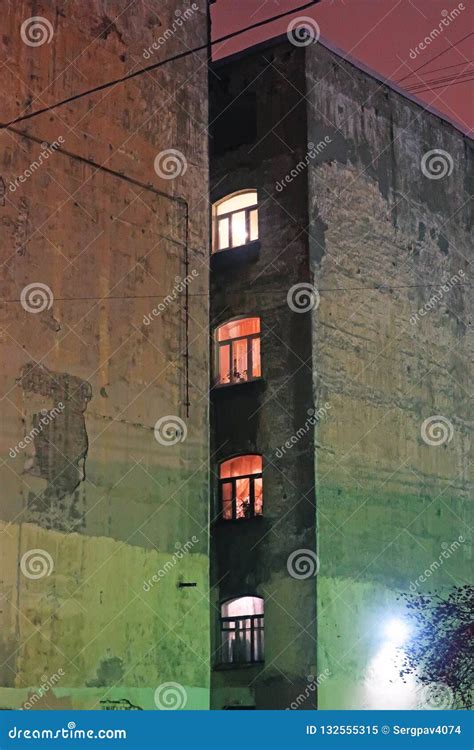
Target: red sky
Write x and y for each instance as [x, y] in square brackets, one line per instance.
[383, 34]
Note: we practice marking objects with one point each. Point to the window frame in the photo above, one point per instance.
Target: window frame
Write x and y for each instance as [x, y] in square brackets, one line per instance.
[216, 218]
[233, 482]
[254, 629]
[230, 343]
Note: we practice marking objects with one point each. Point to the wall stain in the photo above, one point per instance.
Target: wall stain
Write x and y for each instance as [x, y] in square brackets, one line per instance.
[121, 705]
[110, 672]
[59, 447]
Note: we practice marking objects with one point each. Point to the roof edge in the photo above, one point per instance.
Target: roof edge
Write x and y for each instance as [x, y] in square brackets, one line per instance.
[281, 38]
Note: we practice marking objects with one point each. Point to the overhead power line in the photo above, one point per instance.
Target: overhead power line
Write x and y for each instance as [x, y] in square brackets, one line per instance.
[377, 288]
[446, 67]
[455, 82]
[445, 79]
[443, 52]
[156, 65]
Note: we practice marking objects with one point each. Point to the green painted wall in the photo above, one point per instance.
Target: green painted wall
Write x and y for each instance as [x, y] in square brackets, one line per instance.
[384, 239]
[107, 504]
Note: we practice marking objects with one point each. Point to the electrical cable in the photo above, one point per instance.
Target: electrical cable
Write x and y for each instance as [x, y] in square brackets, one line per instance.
[154, 66]
[435, 57]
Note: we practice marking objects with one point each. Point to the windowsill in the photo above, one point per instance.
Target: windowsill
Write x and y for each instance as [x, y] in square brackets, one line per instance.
[241, 665]
[218, 387]
[232, 521]
[235, 256]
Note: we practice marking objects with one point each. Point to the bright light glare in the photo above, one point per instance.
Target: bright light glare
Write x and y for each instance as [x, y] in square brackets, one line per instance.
[397, 631]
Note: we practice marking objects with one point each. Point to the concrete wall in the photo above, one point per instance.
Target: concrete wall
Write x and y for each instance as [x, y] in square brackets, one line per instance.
[344, 206]
[385, 237]
[107, 505]
[258, 131]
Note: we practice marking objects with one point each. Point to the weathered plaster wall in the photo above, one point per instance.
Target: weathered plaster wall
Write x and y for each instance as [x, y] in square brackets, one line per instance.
[256, 140]
[384, 240]
[93, 488]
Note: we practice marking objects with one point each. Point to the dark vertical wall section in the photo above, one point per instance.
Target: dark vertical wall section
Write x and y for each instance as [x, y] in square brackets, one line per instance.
[258, 134]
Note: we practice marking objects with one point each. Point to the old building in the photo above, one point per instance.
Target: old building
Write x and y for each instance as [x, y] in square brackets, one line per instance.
[336, 247]
[104, 377]
[339, 428]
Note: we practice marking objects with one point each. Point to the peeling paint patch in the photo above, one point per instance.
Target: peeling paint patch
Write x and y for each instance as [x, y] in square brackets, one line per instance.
[110, 672]
[121, 705]
[59, 449]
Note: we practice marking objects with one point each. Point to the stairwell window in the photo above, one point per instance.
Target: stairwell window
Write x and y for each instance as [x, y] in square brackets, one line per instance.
[242, 635]
[238, 351]
[235, 220]
[241, 487]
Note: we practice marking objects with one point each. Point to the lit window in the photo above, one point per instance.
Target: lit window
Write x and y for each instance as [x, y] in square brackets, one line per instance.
[241, 487]
[238, 351]
[242, 630]
[235, 220]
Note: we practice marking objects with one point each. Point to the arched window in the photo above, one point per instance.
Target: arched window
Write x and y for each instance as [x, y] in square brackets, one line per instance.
[241, 487]
[242, 639]
[235, 220]
[238, 351]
